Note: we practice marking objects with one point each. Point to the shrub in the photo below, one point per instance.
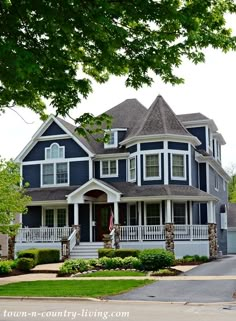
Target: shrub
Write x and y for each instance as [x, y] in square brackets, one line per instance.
[41, 256]
[155, 259]
[106, 253]
[110, 262]
[126, 253]
[131, 262]
[25, 264]
[5, 267]
[73, 266]
[204, 258]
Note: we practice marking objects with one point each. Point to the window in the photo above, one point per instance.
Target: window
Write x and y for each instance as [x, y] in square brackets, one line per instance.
[152, 167]
[178, 166]
[153, 214]
[55, 217]
[132, 169]
[216, 182]
[180, 214]
[109, 168]
[54, 151]
[113, 142]
[55, 174]
[224, 185]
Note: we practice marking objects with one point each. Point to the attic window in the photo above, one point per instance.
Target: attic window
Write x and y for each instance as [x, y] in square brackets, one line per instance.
[54, 151]
[113, 142]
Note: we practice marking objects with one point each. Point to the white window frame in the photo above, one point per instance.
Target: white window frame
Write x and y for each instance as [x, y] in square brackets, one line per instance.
[50, 151]
[115, 144]
[186, 212]
[178, 178]
[216, 181]
[129, 168]
[109, 166]
[151, 178]
[145, 212]
[55, 209]
[54, 174]
[224, 185]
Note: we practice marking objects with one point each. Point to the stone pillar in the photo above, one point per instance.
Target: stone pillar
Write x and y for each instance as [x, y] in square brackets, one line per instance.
[77, 228]
[213, 246]
[65, 248]
[170, 244]
[117, 236]
[11, 247]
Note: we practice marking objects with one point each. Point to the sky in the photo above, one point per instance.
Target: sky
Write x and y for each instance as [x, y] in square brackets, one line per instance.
[209, 88]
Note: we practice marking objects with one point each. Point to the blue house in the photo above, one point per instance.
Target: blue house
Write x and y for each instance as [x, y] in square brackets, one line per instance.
[160, 175]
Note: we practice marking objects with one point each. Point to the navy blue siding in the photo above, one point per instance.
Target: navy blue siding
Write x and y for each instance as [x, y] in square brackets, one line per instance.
[202, 177]
[177, 146]
[71, 214]
[203, 209]
[72, 149]
[151, 146]
[84, 222]
[33, 218]
[79, 172]
[200, 133]
[53, 129]
[121, 173]
[152, 182]
[121, 135]
[178, 182]
[132, 149]
[31, 174]
[194, 165]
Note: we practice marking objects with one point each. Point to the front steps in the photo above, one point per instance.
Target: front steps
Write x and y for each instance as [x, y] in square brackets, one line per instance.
[86, 250]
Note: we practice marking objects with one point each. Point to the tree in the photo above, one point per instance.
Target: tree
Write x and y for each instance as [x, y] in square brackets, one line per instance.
[232, 183]
[12, 197]
[55, 49]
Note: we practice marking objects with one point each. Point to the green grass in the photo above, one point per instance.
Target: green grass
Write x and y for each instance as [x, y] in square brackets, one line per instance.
[70, 288]
[113, 273]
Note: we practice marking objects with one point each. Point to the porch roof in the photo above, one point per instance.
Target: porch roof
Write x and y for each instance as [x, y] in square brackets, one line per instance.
[50, 194]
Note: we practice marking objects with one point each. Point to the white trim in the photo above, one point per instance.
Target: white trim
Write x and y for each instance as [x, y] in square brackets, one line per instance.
[207, 138]
[114, 155]
[150, 138]
[207, 178]
[138, 165]
[189, 165]
[52, 137]
[151, 178]
[145, 211]
[186, 211]
[166, 163]
[216, 181]
[50, 148]
[70, 160]
[76, 214]
[109, 168]
[135, 170]
[90, 168]
[202, 199]
[51, 203]
[178, 178]
[115, 144]
[54, 163]
[200, 123]
[55, 219]
[90, 222]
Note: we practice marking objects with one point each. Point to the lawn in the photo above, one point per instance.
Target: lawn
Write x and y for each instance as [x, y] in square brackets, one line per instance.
[70, 288]
[113, 273]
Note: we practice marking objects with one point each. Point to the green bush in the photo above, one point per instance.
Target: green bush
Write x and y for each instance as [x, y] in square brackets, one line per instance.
[126, 253]
[131, 262]
[155, 259]
[5, 267]
[110, 262]
[195, 258]
[41, 256]
[106, 253]
[25, 264]
[73, 266]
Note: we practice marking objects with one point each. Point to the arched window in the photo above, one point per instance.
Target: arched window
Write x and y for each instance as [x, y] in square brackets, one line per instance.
[54, 151]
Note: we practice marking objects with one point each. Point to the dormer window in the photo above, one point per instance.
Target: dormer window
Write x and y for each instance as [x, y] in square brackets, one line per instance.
[113, 142]
[54, 151]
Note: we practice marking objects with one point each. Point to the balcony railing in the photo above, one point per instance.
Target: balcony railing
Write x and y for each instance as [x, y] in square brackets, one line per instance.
[42, 234]
[157, 232]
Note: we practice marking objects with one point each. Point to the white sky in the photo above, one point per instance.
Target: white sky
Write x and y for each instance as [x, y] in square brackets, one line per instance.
[209, 88]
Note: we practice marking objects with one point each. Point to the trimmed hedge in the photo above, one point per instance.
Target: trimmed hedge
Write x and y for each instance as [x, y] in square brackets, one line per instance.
[25, 264]
[6, 267]
[155, 259]
[41, 256]
[122, 253]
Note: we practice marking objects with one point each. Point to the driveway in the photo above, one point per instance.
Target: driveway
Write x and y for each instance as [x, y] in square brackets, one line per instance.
[194, 291]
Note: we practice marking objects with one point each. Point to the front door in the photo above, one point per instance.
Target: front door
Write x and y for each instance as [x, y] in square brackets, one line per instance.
[102, 218]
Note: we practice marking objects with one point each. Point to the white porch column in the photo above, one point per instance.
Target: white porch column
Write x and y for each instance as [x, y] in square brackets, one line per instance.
[210, 212]
[168, 212]
[191, 219]
[76, 214]
[139, 221]
[90, 222]
[116, 213]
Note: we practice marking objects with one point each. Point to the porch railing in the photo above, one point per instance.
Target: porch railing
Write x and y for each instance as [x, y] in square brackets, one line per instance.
[157, 232]
[42, 234]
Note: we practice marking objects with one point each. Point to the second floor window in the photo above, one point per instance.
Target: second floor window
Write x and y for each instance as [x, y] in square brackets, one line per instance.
[132, 169]
[113, 141]
[152, 166]
[109, 168]
[54, 151]
[178, 166]
[55, 174]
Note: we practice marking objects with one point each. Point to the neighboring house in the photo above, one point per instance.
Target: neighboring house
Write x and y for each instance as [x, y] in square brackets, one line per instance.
[160, 174]
[232, 228]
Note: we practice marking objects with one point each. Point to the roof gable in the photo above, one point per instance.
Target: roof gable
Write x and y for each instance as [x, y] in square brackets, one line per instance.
[53, 129]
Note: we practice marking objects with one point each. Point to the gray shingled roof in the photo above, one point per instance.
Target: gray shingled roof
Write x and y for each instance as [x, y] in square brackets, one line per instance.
[191, 117]
[160, 119]
[50, 194]
[232, 215]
